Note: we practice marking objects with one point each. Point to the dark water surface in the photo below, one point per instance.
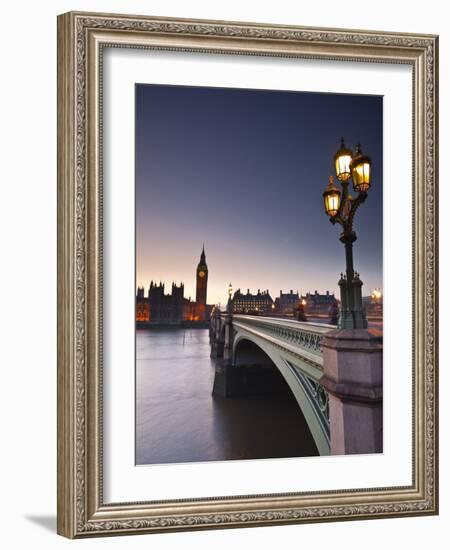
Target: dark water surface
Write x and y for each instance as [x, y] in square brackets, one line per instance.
[179, 420]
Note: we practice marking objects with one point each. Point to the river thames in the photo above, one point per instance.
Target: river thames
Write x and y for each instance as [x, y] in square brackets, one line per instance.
[179, 420]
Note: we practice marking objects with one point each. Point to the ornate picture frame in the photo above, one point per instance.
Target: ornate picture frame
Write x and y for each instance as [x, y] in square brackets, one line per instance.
[82, 38]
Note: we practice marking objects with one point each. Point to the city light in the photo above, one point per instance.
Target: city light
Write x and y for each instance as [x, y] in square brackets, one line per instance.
[376, 294]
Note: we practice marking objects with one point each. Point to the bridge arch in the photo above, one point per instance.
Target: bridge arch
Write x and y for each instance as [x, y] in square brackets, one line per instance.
[248, 348]
[246, 352]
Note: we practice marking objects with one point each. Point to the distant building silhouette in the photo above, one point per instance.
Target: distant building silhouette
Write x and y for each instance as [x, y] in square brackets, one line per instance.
[159, 308]
[287, 303]
[142, 306]
[318, 304]
[201, 287]
[166, 308]
[254, 304]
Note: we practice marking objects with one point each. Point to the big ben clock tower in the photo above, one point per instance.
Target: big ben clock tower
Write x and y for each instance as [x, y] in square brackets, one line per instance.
[202, 284]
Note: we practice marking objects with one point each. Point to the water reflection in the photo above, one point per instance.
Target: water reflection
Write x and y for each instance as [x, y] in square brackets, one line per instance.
[179, 420]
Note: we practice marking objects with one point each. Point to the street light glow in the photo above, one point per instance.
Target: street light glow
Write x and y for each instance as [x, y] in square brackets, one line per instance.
[360, 168]
[342, 160]
[332, 198]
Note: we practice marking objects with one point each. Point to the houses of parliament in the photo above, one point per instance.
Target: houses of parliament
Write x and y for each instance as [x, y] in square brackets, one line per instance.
[159, 308]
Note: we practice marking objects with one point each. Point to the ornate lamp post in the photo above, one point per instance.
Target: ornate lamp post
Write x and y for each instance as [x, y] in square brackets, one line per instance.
[230, 302]
[341, 207]
[228, 342]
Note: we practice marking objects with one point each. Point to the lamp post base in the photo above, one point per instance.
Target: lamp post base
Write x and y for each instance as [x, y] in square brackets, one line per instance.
[352, 319]
[351, 313]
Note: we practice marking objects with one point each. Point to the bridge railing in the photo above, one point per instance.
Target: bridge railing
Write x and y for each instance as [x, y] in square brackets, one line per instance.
[307, 336]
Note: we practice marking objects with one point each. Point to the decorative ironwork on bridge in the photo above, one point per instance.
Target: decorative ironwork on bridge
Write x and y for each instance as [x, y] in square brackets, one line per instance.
[307, 336]
[294, 347]
[318, 398]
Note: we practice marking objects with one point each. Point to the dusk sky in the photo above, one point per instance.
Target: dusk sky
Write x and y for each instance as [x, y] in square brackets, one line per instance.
[243, 171]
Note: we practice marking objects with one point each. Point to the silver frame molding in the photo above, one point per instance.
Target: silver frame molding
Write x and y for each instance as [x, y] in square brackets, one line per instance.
[81, 38]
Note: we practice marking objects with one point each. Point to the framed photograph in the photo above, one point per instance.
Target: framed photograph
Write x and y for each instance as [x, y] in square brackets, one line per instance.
[227, 357]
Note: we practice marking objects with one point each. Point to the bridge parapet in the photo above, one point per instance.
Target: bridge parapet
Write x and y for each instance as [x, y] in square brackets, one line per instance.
[306, 336]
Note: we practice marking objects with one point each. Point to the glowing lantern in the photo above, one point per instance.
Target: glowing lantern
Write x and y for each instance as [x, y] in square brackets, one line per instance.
[332, 198]
[360, 168]
[342, 160]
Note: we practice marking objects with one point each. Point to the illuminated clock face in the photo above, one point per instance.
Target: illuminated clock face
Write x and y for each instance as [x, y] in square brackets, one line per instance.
[201, 273]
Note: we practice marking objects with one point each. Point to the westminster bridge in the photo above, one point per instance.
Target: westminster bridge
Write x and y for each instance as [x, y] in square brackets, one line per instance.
[334, 374]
